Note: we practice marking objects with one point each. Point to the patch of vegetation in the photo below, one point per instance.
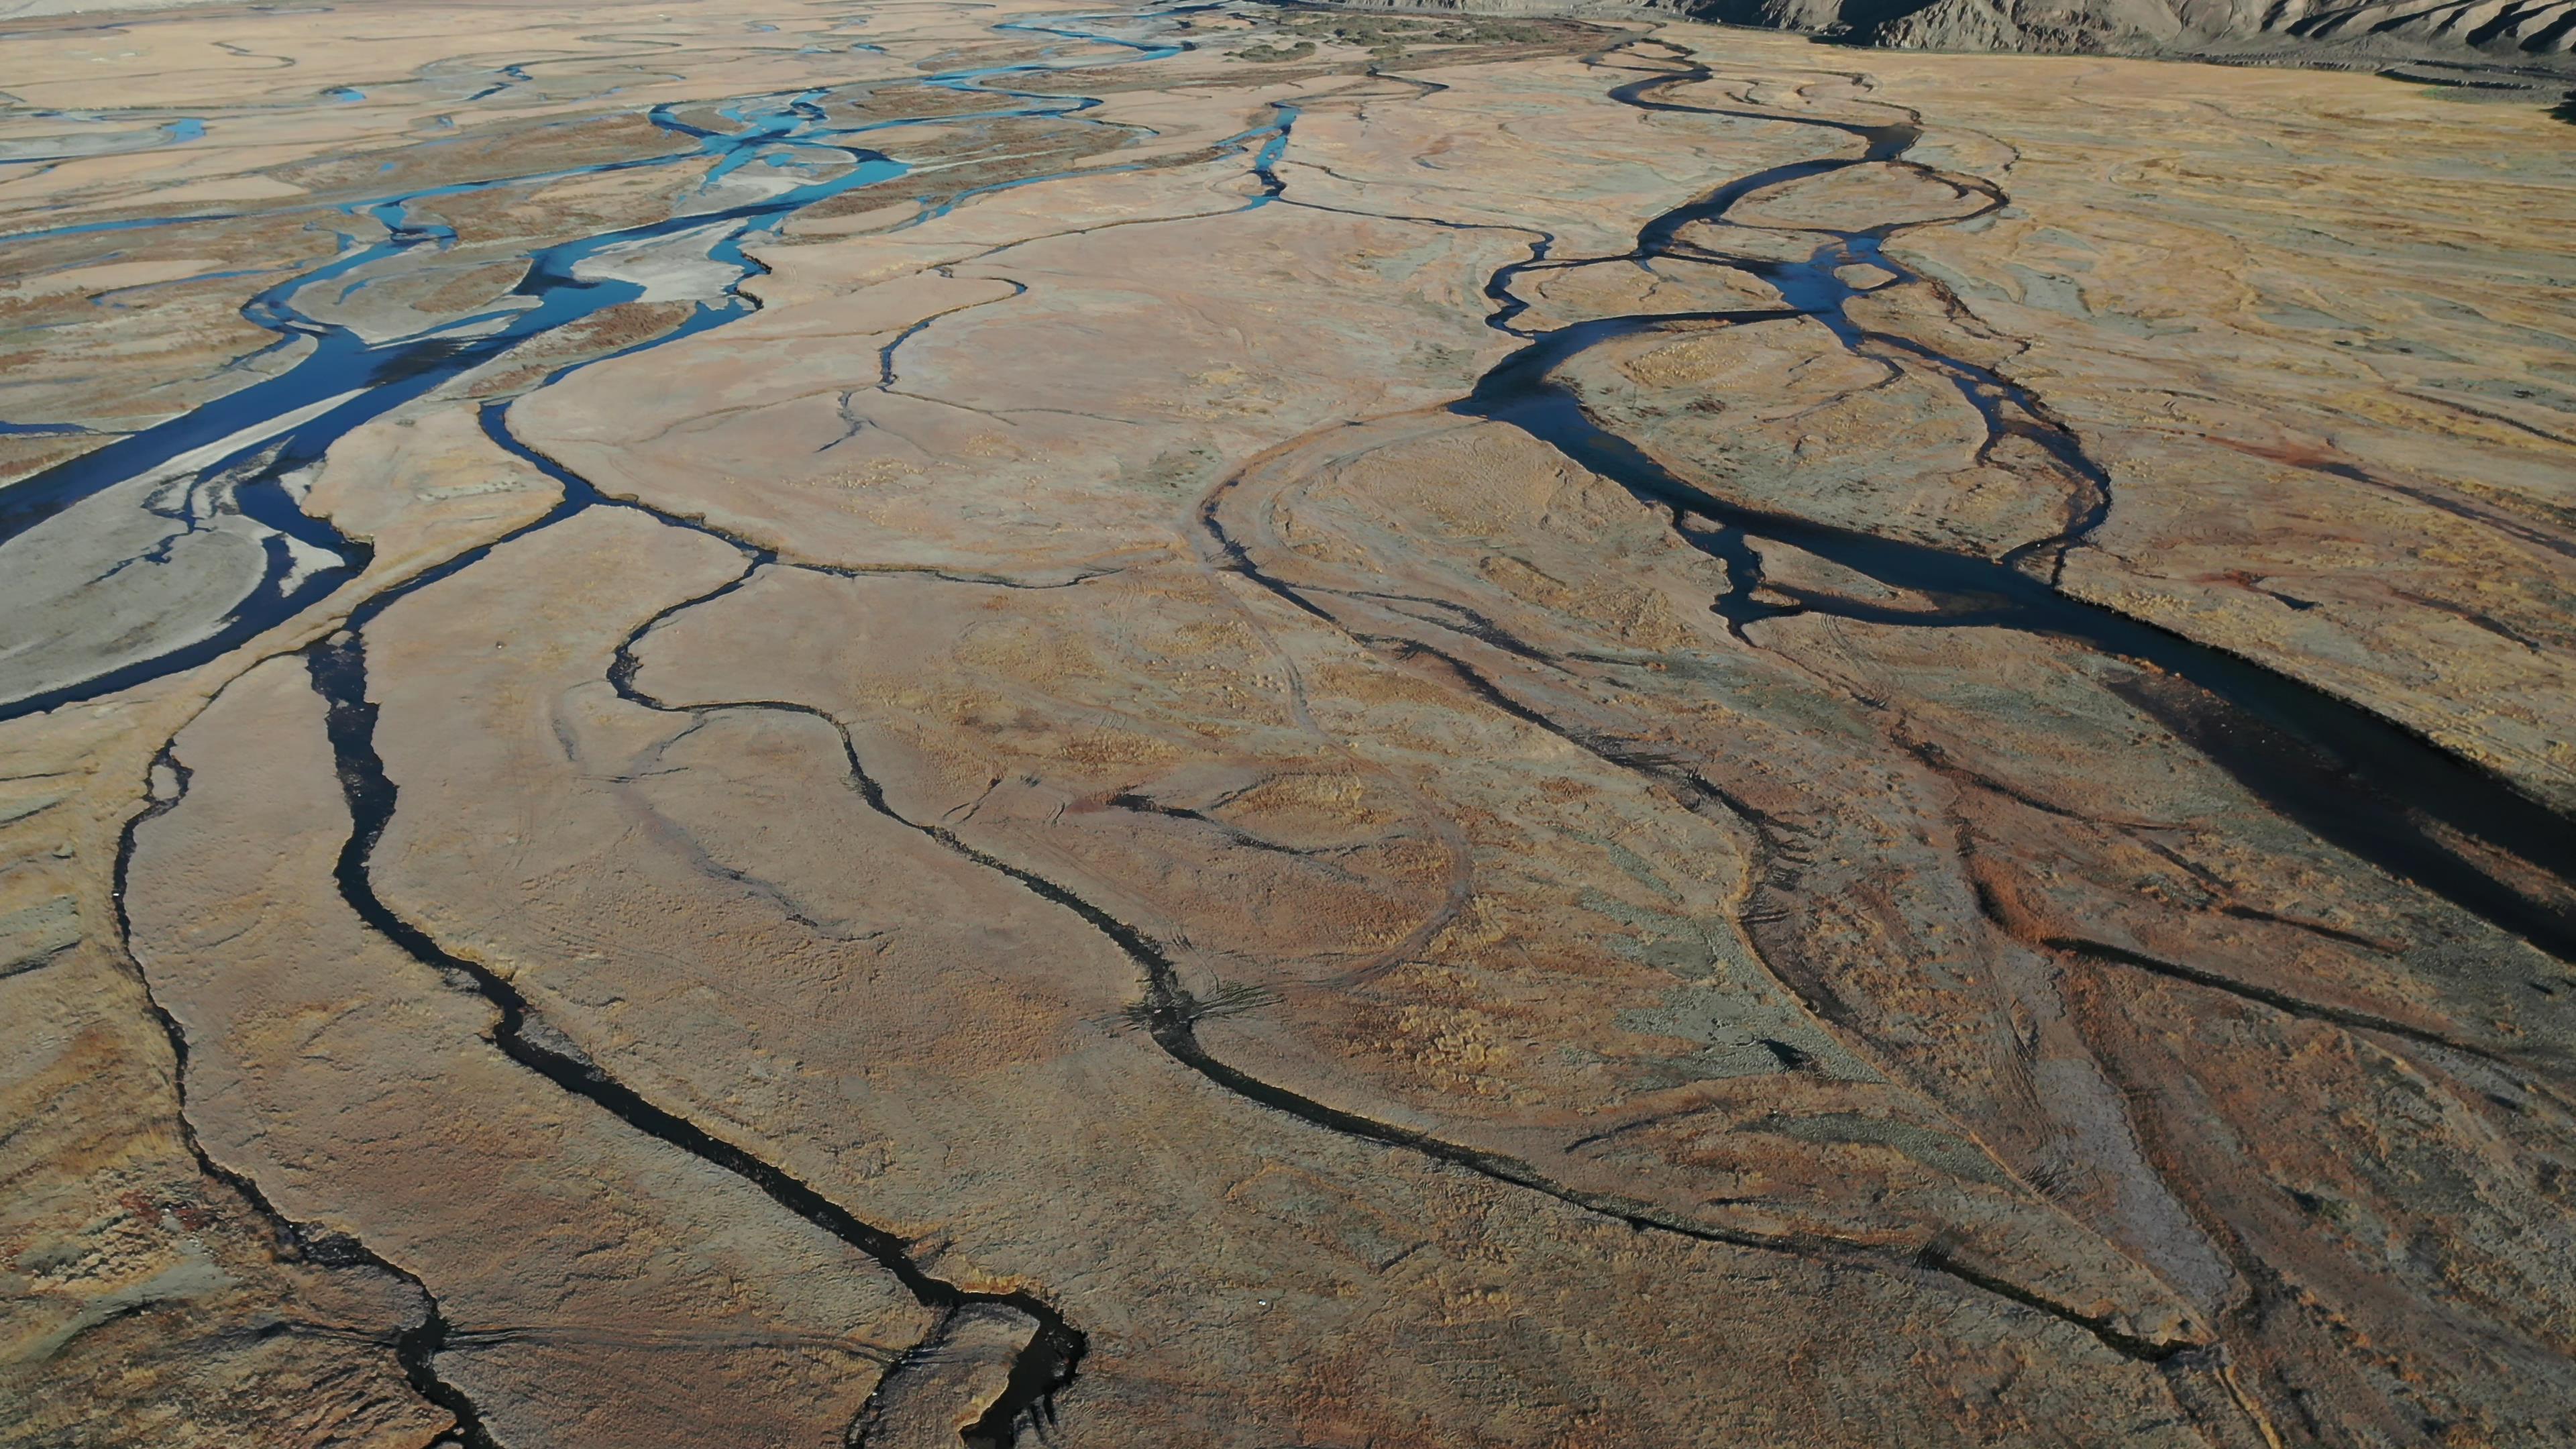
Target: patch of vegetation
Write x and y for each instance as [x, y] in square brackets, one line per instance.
[1392, 37]
[1224, 998]
[1268, 54]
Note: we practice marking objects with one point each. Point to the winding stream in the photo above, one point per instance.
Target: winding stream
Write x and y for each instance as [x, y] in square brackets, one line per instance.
[244, 452]
[246, 455]
[2348, 776]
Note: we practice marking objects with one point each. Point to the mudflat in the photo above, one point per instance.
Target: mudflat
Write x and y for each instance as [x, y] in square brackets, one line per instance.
[1231, 725]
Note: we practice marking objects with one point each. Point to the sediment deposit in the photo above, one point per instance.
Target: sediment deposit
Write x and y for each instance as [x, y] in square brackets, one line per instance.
[1184, 726]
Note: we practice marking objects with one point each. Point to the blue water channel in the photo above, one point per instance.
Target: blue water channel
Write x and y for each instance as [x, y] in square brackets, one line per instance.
[242, 453]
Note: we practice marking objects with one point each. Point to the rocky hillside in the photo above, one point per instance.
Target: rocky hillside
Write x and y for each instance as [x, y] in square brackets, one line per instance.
[2514, 29]
[2508, 45]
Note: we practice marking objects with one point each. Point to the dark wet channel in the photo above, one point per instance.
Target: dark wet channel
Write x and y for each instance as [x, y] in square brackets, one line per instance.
[242, 454]
[2350, 777]
[243, 450]
[2345, 774]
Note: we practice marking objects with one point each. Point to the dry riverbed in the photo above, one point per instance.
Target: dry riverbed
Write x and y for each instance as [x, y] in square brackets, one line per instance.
[1238, 726]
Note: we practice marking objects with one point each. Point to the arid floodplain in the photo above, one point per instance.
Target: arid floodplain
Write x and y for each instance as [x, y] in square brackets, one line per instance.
[936, 724]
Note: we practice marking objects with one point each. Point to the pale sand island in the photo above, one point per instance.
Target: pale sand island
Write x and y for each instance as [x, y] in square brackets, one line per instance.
[941, 724]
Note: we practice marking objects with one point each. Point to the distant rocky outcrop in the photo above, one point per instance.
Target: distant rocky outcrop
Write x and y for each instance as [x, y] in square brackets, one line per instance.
[2497, 27]
[2517, 45]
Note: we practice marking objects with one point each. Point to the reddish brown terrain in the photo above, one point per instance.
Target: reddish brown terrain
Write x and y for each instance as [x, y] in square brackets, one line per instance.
[952, 724]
